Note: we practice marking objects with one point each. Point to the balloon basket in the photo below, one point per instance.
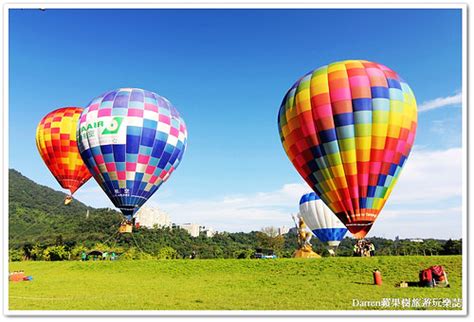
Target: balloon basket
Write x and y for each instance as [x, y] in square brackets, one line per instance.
[68, 200]
[126, 227]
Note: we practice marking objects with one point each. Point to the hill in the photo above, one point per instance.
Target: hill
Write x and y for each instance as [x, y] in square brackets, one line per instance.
[37, 214]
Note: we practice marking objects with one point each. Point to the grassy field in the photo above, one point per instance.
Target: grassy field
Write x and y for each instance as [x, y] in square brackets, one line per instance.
[282, 284]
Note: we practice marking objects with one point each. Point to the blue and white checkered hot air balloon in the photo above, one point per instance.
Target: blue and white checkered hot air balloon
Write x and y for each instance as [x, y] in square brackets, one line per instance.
[321, 220]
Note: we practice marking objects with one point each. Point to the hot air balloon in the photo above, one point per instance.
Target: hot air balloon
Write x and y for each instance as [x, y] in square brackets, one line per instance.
[322, 221]
[348, 129]
[56, 143]
[131, 140]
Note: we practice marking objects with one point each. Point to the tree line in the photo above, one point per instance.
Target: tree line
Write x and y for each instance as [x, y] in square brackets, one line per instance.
[167, 243]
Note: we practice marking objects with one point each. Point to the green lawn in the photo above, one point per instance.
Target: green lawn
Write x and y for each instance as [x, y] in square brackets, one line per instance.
[282, 284]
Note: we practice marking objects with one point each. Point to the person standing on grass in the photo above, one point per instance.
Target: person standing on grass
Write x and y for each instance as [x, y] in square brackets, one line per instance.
[372, 249]
[83, 256]
[356, 250]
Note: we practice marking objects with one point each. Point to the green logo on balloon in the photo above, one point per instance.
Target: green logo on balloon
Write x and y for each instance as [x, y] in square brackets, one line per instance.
[114, 126]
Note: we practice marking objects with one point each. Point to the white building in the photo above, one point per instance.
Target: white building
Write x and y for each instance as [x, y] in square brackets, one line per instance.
[152, 217]
[195, 229]
[208, 231]
[192, 229]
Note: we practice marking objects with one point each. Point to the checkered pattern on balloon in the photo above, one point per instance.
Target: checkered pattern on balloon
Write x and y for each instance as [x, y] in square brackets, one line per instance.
[131, 140]
[348, 128]
[56, 143]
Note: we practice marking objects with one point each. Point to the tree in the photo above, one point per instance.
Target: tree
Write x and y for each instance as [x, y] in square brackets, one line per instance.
[452, 247]
[432, 246]
[269, 238]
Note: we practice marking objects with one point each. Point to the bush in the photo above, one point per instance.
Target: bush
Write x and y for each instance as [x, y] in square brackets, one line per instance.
[76, 252]
[37, 253]
[15, 255]
[167, 253]
[243, 253]
[55, 253]
[133, 254]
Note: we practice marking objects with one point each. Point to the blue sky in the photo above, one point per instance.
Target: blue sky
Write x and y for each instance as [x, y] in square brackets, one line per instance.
[227, 71]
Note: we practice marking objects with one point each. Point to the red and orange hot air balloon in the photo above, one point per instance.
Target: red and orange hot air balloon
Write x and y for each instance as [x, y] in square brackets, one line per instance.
[56, 143]
[348, 128]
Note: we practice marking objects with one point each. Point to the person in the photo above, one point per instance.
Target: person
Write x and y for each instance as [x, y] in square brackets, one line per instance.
[193, 255]
[112, 257]
[104, 255]
[372, 249]
[83, 256]
[366, 249]
[356, 250]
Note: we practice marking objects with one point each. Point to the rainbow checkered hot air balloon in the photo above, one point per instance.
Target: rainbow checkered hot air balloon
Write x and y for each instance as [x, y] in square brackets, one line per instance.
[56, 143]
[131, 140]
[348, 129]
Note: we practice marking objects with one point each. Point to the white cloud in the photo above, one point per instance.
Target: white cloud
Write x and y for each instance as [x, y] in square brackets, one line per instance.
[440, 223]
[240, 212]
[429, 176]
[440, 102]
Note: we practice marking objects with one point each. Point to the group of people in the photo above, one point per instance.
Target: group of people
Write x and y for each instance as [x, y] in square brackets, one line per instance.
[364, 248]
[105, 256]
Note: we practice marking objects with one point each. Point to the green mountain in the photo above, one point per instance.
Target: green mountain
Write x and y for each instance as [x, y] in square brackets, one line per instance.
[37, 214]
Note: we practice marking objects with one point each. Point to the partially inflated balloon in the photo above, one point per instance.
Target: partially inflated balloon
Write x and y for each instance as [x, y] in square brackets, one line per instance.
[348, 129]
[56, 143]
[321, 220]
[131, 140]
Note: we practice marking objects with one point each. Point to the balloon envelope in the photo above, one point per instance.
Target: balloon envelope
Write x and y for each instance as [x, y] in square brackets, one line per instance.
[56, 143]
[131, 140]
[321, 220]
[348, 129]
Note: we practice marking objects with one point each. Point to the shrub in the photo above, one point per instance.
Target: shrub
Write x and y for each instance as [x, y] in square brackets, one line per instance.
[37, 253]
[76, 252]
[56, 253]
[243, 253]
[15, 255]
[167, 253]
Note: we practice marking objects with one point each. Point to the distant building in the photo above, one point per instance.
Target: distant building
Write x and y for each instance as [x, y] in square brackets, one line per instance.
[152, 217]
[283, 230]
[416, 240]
[192, 229]
[207, 231]
[195, 229]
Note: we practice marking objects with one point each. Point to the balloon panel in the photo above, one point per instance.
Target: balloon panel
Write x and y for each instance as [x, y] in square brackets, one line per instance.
[131, 140]
[330, 234]
[348, 128]
[320, 219]
[56, 143]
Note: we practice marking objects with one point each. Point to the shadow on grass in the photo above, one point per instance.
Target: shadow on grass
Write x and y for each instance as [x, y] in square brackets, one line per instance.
[363, 283]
